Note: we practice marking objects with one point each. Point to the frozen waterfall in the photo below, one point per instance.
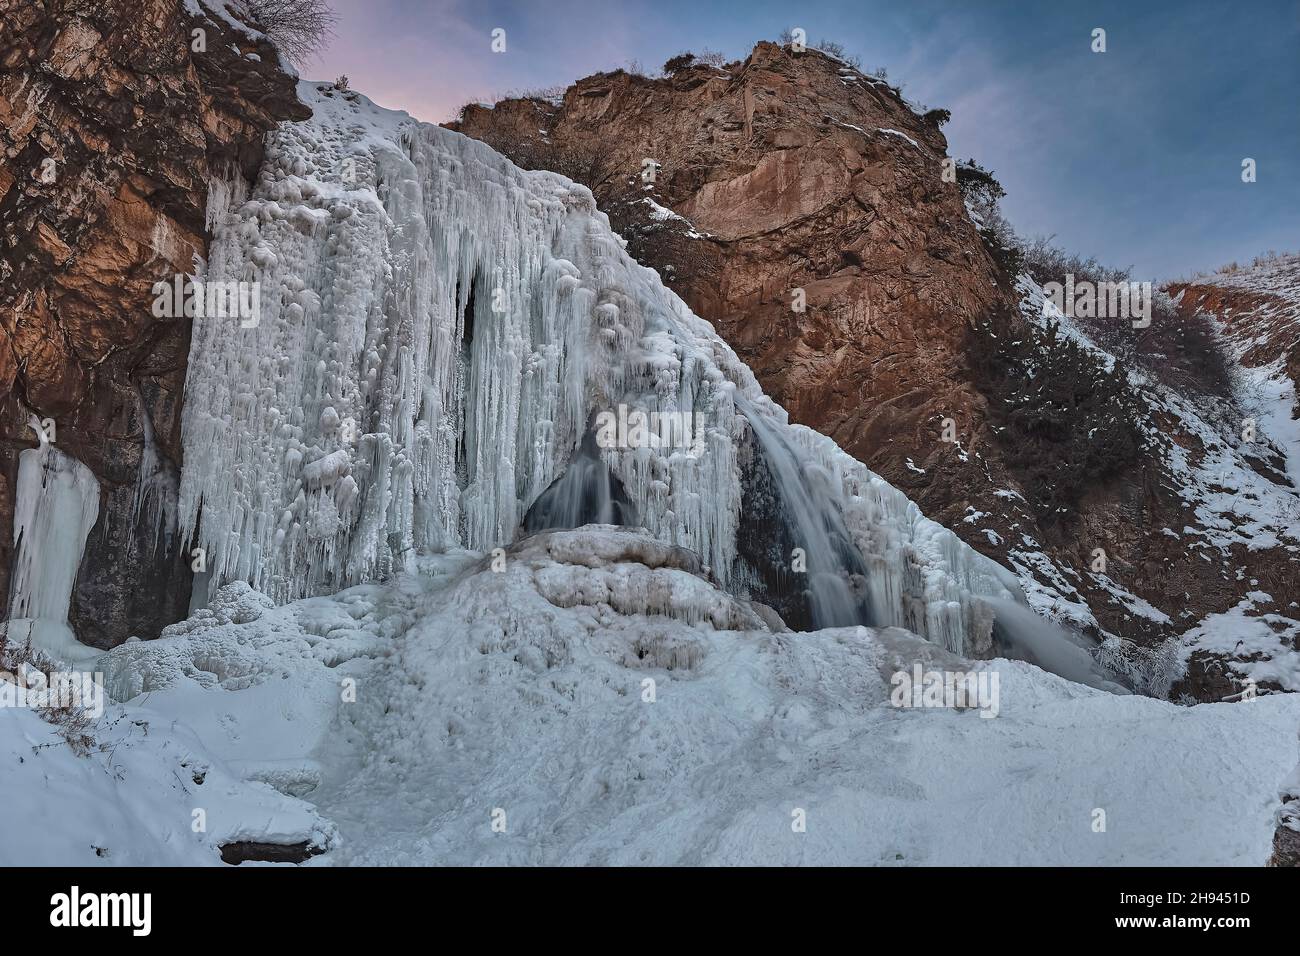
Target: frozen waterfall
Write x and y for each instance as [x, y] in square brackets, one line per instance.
[587, 493]
[55, 505]
[437, 329]
[836, 573]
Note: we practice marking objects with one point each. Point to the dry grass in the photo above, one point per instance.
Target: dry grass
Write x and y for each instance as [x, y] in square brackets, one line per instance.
[72, 723]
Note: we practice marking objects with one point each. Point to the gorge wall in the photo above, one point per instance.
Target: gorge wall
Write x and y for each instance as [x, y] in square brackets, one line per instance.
[114, 116]
[795, 202]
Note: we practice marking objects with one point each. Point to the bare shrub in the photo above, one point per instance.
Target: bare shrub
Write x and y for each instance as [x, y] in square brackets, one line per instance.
[1046, 262]
[686, 59]
[679, 62]
[73, 723]
[582, 164]
[1180, 348]
[300, 28]
[837, 50]
[1184, 350]
[1065, 420]
[982, 194]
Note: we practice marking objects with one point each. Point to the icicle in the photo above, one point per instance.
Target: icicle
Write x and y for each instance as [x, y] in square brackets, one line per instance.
[227, 191]
[55, 506]
[156, 487]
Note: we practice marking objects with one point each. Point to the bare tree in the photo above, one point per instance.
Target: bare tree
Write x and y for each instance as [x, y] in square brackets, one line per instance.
[300, 28]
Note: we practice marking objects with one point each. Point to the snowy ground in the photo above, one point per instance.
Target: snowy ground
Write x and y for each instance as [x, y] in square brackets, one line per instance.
[517, 697]
[149, 793]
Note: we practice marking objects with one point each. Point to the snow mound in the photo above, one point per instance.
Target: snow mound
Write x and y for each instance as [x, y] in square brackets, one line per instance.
[512, 729]
[265, 685]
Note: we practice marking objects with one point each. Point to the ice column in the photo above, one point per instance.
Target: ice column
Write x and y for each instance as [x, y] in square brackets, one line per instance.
[56, 505]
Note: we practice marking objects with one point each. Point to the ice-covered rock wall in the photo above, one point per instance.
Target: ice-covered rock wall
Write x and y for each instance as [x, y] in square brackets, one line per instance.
[437, 331]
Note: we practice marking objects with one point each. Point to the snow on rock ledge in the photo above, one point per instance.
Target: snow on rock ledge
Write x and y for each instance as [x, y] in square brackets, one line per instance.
[437, 329]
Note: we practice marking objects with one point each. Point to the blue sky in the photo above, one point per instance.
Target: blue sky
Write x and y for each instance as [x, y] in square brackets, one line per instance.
[1133, 155]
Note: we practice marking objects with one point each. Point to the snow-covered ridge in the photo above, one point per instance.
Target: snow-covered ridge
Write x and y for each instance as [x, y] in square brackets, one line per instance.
[1231, 500]
[437, 329]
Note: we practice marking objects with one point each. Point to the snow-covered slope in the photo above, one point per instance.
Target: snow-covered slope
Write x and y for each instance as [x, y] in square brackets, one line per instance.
[1226, 501]
[589, 698]
[1257, 309]
[142, 789]
[437, 330]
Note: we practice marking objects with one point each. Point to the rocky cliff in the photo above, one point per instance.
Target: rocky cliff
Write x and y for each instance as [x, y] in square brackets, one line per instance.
[116, 114]
[790, 179]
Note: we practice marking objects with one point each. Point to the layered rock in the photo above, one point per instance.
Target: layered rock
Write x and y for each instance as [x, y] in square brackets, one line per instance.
[116, 116]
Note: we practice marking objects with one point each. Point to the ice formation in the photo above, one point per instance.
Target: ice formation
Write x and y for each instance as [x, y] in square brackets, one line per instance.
[56, 504]
[437, 329]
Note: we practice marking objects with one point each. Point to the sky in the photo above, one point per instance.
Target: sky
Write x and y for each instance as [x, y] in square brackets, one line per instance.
[1133, 155]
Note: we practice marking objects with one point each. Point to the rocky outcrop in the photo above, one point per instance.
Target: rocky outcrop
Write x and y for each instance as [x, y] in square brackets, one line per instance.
[1286, 838]
[114, 117]
[792, 175]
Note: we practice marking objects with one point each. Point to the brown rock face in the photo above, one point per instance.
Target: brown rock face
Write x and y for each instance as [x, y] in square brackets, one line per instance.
[790, 176]
[1286, 847]
[113, 120]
